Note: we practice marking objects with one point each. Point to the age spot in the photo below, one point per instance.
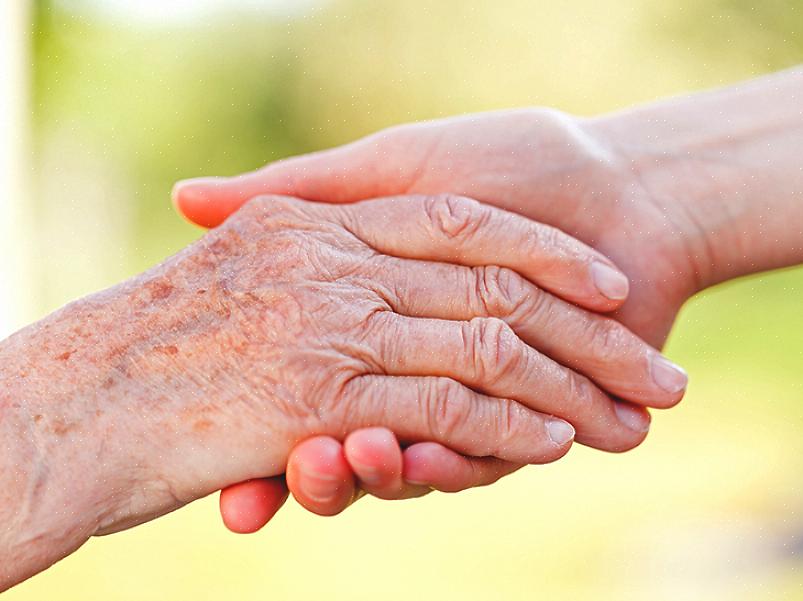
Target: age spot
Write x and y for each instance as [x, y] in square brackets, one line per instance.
[60, 427]
[202, 425]
[171, 349]
[160, 289]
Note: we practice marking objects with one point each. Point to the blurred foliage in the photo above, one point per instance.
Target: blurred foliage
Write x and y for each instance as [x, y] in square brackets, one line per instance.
[707, 508]
[768, 33]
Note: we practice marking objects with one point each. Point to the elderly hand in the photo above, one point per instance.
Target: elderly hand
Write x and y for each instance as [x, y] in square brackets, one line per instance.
[424, 315]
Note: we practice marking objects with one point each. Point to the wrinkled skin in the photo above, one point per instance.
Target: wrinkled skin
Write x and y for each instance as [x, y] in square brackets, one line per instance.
[315, 346]
[347, 316]
[428, 316]
[543, 164]
[540, 163]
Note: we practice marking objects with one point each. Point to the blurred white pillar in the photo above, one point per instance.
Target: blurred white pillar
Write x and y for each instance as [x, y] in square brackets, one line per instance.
[14, 232]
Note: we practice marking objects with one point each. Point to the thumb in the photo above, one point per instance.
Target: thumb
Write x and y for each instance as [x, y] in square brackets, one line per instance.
[371, 167]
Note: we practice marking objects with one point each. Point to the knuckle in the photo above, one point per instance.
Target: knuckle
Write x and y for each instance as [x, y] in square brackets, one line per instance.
[545, 237]
[580, 396]
[267, 206]
[518, 431]
[358, 402]
[499, 291]
[454, 217]
[368, 278]
[270, 214]
[493, 348]
[445, 407]
[607, 338]
[508, 425]
[378, 333]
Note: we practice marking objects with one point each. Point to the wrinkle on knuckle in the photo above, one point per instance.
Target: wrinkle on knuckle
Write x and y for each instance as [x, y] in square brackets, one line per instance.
[533, 307]
[543, 237]
[581, 399]
[353, 351]
[500, 292]
[608, 338]
[493, 348]
[301, 408]
[444, 408]
[340, 398]
[355, 404]
[381, 278]
[267, 206]
[385, 294]
[454, 217]
[327, 266]
[269, 214]
[553, 248]
[377, 338]
[253, 216]
[330, 255]
[507, 426]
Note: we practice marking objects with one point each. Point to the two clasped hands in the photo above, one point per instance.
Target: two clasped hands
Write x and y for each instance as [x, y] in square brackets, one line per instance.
[430, 307]
[501, 327]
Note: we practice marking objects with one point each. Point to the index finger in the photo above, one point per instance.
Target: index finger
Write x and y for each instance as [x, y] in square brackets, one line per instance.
[460, 230]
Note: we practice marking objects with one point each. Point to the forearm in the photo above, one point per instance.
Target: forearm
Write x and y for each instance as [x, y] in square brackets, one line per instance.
[57, 475]
[103, 419]
[733, 158]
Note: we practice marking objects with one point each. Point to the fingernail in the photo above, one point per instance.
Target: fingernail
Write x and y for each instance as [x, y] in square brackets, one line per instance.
[633, 418]
[667, 375]
[183, 186]
[320, 488]
[559, 431]
[610, 282]
[201, 181]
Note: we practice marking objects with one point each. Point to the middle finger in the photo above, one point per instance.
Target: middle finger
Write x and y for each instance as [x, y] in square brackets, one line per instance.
[592, 344]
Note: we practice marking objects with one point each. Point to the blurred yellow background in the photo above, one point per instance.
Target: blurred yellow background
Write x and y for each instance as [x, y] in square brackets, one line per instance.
[127, 97]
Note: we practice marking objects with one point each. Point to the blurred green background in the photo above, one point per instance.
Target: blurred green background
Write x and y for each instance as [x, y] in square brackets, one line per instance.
[128, 99]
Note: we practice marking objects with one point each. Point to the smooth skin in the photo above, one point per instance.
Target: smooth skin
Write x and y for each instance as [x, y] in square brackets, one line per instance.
[298, 321]
[682, 194]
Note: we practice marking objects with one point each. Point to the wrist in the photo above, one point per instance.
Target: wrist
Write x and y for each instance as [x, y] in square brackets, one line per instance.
[77, 445]
[61, 473]
[724, 171]
[184, 423]
[98, 407]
